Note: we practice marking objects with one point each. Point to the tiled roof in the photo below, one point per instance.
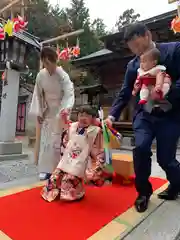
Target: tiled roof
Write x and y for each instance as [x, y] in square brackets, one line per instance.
[94, 88]
[28, 38]
[102, 52]
[152, 20]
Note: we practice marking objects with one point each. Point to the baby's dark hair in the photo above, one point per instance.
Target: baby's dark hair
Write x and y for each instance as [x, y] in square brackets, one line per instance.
[88, 110]
[153, 53]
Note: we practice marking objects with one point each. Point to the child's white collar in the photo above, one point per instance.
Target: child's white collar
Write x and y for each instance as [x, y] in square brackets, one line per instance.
[152, 71]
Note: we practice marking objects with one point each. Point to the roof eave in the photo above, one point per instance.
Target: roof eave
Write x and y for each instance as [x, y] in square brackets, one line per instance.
[167, 15]
[91, 61]
[100, 60]
[28, 38]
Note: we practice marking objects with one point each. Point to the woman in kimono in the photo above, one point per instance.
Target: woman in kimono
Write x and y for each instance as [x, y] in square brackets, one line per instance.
[52, 101]
[84, 143]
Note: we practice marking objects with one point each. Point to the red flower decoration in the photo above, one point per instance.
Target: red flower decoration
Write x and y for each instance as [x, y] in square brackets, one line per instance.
[64, 54]
[75, 51]
[19, 24]
[2, 34]
[175, 24]
[3, 76]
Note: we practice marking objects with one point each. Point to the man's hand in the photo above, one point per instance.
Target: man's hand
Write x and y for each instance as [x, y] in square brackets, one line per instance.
[155, 95]
[137, 87]
[109, 122]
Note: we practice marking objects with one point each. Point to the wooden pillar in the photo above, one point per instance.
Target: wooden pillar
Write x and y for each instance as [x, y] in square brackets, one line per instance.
[12, 13]
[22, 8]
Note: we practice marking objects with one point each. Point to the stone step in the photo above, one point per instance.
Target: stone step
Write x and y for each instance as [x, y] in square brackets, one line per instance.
[127, 143]
[130, 148]
[13, 157]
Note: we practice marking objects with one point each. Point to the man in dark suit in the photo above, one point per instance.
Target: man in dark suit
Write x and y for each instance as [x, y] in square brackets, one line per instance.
[161, 122]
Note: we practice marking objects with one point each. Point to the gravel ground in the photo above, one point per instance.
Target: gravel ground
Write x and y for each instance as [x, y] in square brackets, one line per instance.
[17, 169]
[14, 170]
[20, 169]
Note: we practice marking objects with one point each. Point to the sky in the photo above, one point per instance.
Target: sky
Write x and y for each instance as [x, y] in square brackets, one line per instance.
[109, 10]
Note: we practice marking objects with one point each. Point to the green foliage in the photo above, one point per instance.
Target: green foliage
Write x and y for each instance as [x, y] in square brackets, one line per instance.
[79, 18]
[46, 21]
[129, 16]
[98, 27]
[78, 15]
[53, 21]
[38, 19]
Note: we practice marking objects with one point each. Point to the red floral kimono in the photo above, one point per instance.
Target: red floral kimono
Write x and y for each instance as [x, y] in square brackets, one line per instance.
[81, 146]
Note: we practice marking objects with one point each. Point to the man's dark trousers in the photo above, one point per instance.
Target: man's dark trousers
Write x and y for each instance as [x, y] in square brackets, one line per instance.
[165, 127]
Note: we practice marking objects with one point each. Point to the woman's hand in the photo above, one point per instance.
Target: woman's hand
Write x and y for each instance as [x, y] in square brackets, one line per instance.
[40, 120]
[65, 115]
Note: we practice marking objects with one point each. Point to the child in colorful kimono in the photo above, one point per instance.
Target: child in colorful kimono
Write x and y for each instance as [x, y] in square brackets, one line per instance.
[84, 143]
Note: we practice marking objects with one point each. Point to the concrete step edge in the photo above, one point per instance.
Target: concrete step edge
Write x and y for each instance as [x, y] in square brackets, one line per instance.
[14, 157]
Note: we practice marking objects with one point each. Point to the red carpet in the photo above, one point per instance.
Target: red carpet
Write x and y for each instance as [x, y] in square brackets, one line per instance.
[25, 216]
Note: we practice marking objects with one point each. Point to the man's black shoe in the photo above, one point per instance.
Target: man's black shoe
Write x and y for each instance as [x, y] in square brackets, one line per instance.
[169, 194]
[141, 203]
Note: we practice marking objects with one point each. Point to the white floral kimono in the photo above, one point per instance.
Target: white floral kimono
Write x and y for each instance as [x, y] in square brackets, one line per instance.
[52, 94]
[67, 180]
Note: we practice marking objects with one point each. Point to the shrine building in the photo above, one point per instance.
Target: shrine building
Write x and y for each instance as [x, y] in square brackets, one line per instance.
[109, 64]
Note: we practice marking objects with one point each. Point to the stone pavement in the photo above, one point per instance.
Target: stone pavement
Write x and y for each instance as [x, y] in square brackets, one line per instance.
[163, 224]
[20, 172]
[17, 172]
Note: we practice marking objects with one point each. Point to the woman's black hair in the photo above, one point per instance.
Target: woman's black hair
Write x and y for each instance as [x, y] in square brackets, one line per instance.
[135, 30]
[88, 110]
[49, 53]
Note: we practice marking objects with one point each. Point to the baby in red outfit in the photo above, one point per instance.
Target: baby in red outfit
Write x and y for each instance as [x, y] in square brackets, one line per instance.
[152, 80]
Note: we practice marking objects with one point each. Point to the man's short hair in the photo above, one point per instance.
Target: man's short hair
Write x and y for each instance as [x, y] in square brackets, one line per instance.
[133, 30]
[49, 53]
